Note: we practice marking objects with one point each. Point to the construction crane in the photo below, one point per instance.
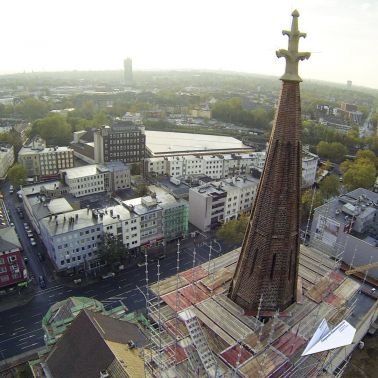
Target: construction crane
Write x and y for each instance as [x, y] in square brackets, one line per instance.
[362, 268]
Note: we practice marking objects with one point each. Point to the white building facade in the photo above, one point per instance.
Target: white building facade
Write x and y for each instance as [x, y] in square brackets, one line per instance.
[222, 166]
[40, 160]
[220, 201]
[97, 178]
[6, 158]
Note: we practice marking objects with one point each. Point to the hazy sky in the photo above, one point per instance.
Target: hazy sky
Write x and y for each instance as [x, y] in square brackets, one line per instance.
[238, 35]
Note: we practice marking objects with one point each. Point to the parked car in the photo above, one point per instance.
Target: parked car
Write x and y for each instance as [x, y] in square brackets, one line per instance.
[108, 275]
[26, 226]
[11, 189]
[33, 242]
[30, 234]
[21, 215]
[42, 283]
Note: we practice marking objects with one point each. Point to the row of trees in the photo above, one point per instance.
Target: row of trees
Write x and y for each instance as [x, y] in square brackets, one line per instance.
[232, 111]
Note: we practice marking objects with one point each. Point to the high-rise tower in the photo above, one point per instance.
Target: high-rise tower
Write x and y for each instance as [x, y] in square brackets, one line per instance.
[266, 273]
[128, 71]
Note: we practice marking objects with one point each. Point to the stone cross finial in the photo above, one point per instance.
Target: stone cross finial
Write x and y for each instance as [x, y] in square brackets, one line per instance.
[292, 55]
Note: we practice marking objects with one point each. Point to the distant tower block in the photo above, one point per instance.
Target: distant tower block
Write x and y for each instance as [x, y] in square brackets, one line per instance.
[268, 264]
[349, 84]
[128, 71]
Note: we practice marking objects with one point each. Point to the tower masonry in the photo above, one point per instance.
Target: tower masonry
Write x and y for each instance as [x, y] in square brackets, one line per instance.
[265, 278]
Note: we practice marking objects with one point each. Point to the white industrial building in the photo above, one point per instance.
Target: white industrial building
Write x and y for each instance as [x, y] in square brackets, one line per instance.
[97, 178]
[222, 166]
[221, 201]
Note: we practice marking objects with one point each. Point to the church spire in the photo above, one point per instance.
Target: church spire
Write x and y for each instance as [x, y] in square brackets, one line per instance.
[268, 262]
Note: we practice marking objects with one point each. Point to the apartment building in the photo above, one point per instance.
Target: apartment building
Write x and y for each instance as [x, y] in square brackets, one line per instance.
[6, 158]
[43, 161]
[72, 237]
[220, 201]
[97, 178]
[223, 166]
[123, 141]
[346, 227]
[12, 267]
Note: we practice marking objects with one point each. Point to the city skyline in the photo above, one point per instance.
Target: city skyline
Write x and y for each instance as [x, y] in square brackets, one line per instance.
[190, 35]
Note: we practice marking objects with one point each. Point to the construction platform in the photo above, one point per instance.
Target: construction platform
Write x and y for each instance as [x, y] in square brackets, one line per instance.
[218, 339]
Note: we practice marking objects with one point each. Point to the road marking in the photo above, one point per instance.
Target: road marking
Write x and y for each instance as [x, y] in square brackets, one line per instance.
[27, 337]
[68, 291]
[28, 346]
[109, 291]
[17, 321]
[17, 336]
[88, 291]
[37, 322]
[32, 316]
[1, 334]
[19, 328]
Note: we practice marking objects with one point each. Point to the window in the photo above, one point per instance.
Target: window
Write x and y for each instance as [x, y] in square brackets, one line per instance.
[4, 278]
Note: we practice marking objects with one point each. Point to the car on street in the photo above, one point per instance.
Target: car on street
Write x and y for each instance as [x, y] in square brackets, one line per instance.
[29, 233]
[41, 256]
[26, 226]
[11, 189]
[42, 283]
[108, 275]
[33, 242]
[21, 215]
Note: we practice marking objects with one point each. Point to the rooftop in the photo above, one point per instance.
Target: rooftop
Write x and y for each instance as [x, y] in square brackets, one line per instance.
[169, 143]
[94, 343]
[84, 218]
[359, 203]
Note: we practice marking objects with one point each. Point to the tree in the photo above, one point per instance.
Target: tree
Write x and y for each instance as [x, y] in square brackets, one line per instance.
[32, 109]
[111, 249]
[17, 175]
[360, 176]
[54, 129]
[329, 187]
[367, 155]
[12, 137]
[310, 197]
[333, 151]
[233, 231]
[141, 190]
[360, 173]
[135, 169]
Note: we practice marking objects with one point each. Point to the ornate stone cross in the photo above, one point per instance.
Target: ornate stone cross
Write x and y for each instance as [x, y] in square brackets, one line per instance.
[292, 55]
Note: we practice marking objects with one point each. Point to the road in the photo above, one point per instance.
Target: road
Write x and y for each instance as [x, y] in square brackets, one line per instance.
[21, 329]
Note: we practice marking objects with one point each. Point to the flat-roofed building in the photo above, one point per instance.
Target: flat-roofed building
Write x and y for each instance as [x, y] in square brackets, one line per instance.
[162, 143]
[348, 223]
[43, 161]
[221, 166]
[123, 141]
[221, 201]
[97, 178]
